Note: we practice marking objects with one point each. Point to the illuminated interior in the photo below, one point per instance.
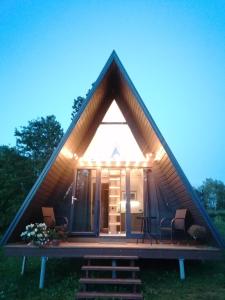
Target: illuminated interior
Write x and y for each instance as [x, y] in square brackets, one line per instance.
[113, 140]
[113, 149]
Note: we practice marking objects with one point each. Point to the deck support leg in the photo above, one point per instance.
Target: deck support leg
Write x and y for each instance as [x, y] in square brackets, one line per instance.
[23, 265]
[114, 265]
[42, 273]
[182, 270]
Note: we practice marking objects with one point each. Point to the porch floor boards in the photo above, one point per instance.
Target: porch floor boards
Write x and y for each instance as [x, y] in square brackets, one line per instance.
[127, 245]
[142, 250]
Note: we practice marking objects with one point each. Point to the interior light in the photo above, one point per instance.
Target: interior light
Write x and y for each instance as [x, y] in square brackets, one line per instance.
[67, 153]
[75, 156]
[123, 172]
[133, 203]
[148, 156]
[159, 154]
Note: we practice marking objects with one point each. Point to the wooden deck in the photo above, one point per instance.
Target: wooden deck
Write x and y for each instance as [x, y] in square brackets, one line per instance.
[142, 250]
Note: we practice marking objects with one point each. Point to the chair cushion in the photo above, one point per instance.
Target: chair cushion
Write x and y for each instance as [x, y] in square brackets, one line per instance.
[49, 221]
[181, 219]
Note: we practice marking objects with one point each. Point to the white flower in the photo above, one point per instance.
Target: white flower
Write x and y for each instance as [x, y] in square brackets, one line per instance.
[43, 226]
[36, 232]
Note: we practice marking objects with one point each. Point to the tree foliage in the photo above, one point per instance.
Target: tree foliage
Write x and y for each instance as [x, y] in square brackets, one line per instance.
[213, 191]
[20, 165]
[38, 139]
[77, 102]
[16, 178]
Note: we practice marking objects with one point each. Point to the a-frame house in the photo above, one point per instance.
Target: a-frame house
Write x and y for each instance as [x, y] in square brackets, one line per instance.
[111, 169]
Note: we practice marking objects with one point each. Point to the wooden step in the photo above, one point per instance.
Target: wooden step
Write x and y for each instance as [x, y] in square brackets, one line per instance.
[112, 257]
[110, 268]
[115, 223]
[112, 187]
[96, 295]
[114, 214]
[119, 281]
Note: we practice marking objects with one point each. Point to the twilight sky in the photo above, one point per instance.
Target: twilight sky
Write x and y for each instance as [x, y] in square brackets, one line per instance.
[51, 51]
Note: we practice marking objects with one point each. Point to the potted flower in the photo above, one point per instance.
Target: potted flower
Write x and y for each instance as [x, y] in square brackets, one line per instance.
[36, 234]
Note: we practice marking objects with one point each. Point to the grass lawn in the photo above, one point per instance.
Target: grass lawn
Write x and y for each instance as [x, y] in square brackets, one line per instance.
[205, 280]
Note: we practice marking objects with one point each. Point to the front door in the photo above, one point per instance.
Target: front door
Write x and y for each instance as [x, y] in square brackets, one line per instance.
[84, 202]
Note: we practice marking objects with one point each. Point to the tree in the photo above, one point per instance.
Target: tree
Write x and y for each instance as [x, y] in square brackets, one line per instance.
[16, 178]
[77, 102]
[213, 193]
[38, 139]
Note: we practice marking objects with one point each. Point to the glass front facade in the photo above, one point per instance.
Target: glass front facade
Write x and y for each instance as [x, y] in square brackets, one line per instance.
[115, 212]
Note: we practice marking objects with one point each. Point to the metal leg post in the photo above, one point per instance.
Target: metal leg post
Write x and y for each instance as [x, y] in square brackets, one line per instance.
[182, 270]
[23, 265]
[42, 273]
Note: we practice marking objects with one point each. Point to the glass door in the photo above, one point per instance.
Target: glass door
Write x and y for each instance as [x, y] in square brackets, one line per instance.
[108, 201]
[136, 199]
[83, 202]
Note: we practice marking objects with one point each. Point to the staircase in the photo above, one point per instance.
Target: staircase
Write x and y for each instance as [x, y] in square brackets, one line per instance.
[122, 283]
[114, 224]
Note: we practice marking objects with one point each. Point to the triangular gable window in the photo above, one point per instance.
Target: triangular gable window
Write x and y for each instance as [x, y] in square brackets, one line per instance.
[113, 139]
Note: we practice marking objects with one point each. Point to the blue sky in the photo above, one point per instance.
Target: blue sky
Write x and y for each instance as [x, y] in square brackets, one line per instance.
[174, 52]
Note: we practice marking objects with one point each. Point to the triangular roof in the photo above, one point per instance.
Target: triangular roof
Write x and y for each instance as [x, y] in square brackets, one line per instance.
[112, 83]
